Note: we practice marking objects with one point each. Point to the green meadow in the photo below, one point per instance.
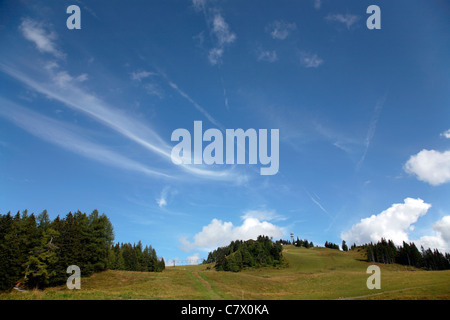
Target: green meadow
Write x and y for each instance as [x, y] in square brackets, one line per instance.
[314, 273]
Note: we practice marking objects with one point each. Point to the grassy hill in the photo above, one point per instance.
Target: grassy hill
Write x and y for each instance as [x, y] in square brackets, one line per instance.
[315, 273]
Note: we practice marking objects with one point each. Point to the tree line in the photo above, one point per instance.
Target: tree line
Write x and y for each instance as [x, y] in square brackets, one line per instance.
[133, 257]
[239, 255]
[303, 243]
[385, 251]
[35, 251]
[331, 245]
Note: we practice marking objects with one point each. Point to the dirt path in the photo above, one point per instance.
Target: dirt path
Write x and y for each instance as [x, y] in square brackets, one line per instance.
[212, 294]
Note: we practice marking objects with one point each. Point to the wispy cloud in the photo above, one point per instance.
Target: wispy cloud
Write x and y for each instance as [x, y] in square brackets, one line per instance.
[199, 4]
[57, 84]
[223, 36]
[371, 130]
[347, 19]
[267, 55]
[151, 87]
[280, 29]
[195, 104]
[166, 194]
[262, 214]
[139, 75]
[44, 40]
[316, 201]
[310, 60]
[74, 97]
[220, 36]
[66, 136]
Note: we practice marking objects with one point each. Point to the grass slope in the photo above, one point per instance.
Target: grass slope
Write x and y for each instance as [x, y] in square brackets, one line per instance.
[315, 273]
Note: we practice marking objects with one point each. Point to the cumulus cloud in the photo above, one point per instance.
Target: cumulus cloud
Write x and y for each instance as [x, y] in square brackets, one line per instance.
[441, 239]
[393, 223]
[280, 29]
[430, 166]
[446, 134]
[220, 233]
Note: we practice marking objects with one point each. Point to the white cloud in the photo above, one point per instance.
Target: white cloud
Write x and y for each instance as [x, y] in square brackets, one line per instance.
[310, 60]
[262, 215]
[393, 223]
[195, 104]
[371, 131]
[316, 201]
[199, 4]
[280, 29]
[215, 55]
[222, 30]
[266, 55]
[67, 137]
[166, 193]
[194, 259]
[44, 41]
[161, 202]
[139, 75]
[348, 19]
[441, 239]
[446, 134]
[430, 166]
[224, 37]
[443, 228]
[62, 78]
[71, 95]
[219, 233]
[154, 89]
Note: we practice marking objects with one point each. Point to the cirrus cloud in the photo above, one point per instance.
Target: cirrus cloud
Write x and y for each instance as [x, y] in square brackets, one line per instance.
[44, 40]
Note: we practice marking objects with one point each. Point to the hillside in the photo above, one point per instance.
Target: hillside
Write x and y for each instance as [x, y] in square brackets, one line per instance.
[315, 273]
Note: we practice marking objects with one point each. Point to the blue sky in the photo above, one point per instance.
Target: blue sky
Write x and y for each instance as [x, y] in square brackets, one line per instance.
[87, 115]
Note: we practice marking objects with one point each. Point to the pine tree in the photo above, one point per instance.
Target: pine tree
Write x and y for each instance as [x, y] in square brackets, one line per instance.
[344, 246]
